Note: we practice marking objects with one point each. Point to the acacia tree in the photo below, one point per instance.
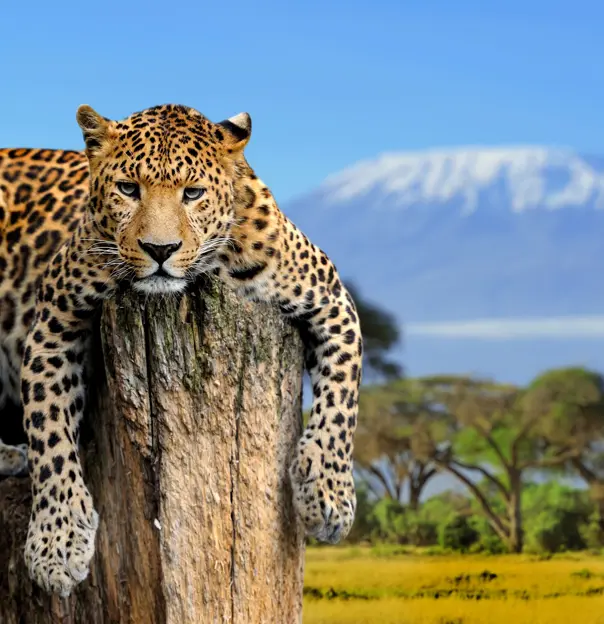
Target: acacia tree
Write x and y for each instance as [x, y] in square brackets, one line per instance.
[570, 405]
[495, 441]
[388, 453]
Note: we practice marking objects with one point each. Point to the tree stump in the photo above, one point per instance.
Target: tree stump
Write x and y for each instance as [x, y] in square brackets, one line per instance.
[192, 427]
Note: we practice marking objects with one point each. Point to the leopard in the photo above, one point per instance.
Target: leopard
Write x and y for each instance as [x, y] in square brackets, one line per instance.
[150, 203]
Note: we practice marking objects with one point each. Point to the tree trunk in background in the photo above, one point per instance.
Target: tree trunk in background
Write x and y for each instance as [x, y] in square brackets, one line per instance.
[191, 438]
[516, 541]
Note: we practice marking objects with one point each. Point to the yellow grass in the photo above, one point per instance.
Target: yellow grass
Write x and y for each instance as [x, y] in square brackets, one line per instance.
[355, 585]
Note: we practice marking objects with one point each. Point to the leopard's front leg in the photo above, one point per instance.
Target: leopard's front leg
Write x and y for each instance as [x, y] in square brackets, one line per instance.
[272, 260]
[63, 523]
[322, 469]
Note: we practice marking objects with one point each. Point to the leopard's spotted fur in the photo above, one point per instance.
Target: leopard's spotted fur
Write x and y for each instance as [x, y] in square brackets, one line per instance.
[155, 200]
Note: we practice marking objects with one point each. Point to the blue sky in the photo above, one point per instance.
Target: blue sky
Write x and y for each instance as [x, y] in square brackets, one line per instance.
[326, 83]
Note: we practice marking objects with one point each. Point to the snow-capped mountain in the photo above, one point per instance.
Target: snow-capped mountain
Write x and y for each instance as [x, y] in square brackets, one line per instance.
[460, 235]
[522, 177]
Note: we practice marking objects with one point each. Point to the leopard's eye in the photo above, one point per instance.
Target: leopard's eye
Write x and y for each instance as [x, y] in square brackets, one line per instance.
[193, 193]
[129, 189]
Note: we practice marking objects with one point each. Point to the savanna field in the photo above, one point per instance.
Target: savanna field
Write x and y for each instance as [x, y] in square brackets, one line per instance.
[388, 585]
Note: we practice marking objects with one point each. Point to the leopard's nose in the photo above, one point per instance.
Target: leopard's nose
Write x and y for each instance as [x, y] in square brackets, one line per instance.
[159, 253]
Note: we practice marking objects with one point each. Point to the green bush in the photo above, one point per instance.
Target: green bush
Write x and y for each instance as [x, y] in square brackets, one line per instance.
[422, 532]
[388, 521]
[555, 517]
[488, 541]
[458, 534]
[392, 522]
[592, 532]
[555, 533]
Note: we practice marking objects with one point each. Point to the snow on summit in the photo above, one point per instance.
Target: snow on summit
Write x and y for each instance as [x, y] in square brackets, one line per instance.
[520, 177]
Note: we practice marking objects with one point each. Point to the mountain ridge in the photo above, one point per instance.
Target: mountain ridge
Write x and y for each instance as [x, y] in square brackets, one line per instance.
[533, 176]
[437, 245]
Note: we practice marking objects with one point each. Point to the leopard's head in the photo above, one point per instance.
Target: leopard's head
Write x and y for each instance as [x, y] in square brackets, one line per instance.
[162, 191]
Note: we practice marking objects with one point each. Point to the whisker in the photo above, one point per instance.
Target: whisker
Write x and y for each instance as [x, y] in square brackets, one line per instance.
[100, 240]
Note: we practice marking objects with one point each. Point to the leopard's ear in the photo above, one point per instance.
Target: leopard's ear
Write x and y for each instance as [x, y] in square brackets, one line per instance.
[238, 130]
[95, 128]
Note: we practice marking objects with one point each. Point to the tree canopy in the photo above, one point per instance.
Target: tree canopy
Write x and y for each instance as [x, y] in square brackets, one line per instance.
[493, 438]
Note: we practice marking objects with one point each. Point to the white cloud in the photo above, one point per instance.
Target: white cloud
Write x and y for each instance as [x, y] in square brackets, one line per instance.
[505, 329]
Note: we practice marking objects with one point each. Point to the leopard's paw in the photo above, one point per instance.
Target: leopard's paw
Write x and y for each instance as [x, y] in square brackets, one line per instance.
[323, 492]
[13, 460]
[60, 542]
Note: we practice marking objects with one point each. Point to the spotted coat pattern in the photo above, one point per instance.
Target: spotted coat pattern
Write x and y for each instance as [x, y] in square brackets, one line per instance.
[154, 201]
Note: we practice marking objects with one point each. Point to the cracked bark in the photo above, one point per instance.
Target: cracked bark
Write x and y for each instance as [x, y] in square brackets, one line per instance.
[192, 432]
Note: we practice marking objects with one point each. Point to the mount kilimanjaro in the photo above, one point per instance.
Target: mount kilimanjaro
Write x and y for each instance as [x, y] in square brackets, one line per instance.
[456, 241]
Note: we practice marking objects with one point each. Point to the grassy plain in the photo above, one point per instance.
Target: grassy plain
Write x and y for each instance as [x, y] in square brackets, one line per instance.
[355, 585]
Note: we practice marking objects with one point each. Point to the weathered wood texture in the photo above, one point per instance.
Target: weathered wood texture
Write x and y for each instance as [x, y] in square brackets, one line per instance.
[192, 433]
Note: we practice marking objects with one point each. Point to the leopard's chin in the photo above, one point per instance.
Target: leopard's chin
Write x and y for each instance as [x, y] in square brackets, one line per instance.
[159, 284]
